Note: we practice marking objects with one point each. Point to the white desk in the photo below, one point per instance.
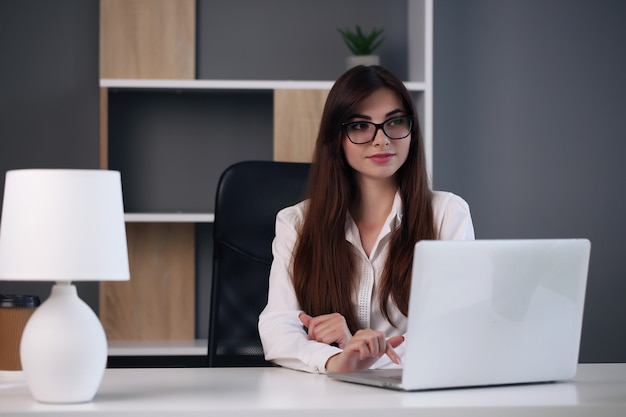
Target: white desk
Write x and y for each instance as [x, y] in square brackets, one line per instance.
[598, 390]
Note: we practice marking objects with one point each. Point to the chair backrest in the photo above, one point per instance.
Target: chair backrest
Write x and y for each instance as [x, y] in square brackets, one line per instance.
[249, 194]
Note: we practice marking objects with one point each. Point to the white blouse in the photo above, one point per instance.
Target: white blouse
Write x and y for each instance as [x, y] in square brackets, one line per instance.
[284, 340]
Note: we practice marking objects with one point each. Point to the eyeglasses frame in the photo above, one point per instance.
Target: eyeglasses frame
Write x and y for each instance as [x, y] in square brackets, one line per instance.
[378, 126]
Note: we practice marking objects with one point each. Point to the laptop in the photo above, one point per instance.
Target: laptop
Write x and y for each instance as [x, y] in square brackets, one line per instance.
[490, 312]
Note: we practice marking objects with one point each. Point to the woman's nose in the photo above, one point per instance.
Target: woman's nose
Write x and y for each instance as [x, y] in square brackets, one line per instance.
[380, 139]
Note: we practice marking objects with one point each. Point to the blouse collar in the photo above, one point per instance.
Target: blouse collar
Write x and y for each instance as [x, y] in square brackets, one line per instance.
[393, 222]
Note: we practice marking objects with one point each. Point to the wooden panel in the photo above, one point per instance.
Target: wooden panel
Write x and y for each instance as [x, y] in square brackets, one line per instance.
[147, 39]
[158, 303]
[297, 115]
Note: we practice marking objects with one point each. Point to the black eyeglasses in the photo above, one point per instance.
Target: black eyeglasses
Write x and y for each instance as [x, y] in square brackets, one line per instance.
[362, 132]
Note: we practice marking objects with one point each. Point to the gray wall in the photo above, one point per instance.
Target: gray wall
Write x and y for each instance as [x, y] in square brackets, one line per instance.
[530, 128]
[292, 40]
[48, 95]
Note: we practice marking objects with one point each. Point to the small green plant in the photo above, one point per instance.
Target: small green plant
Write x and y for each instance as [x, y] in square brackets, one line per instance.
[360, 43]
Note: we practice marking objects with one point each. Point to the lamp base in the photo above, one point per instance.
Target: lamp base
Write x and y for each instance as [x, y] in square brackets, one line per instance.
[63, 349]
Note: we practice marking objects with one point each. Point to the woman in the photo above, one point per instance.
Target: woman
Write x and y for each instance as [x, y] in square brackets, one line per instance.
[340, 279]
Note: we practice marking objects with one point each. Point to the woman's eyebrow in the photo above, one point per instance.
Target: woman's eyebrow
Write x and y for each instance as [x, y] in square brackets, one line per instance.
[359, 116]
[362, 116]
[391, 113]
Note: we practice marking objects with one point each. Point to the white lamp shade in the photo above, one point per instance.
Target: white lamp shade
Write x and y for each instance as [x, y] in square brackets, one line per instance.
[63, 225]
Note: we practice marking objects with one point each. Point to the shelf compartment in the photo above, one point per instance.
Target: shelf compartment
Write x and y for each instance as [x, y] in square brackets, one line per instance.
[172, 147]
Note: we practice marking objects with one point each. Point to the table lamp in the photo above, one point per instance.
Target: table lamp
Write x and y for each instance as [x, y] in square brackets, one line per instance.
[63, 225]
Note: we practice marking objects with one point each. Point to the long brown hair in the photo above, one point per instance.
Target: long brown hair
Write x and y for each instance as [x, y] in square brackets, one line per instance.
[324, 272]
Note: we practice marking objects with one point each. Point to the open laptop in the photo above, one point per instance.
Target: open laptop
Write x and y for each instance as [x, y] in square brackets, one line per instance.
[490, 312]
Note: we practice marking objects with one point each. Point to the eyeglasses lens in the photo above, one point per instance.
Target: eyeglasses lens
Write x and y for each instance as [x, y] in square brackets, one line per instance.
[394, 128]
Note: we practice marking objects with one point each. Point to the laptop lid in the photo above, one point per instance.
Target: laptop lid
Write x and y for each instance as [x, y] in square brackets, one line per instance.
[492, 312]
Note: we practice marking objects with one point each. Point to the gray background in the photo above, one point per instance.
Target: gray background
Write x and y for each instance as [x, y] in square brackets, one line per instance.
[287, 39]
[529, 110]
[530, 127]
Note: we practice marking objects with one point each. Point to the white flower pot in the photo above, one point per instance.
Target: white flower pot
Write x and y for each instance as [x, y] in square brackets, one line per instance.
[354, 60]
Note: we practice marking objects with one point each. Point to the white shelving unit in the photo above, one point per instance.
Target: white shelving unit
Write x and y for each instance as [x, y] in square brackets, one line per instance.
[420, 84]
[169, 217]
[196, 347]
[134, 84]
[215, 84]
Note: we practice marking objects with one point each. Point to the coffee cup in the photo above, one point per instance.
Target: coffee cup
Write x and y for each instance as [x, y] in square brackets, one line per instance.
[15, 310]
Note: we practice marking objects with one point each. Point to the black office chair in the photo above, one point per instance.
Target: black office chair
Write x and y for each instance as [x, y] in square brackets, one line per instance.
[249, 194]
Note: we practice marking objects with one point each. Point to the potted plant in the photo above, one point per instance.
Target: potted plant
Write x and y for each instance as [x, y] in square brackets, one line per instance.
[362, 45]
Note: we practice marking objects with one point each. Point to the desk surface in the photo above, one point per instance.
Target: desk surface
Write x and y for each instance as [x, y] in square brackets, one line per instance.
[598, 390]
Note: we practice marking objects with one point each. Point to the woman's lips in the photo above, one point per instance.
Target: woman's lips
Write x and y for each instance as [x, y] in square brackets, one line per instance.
[381, 158]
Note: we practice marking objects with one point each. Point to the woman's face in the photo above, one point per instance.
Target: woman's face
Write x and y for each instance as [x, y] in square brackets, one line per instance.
[382, 157]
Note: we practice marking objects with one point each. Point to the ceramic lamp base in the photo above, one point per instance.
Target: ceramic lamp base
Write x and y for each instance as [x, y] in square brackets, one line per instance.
[63, 349]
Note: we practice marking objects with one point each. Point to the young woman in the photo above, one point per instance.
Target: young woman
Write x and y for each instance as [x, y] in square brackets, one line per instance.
[340, 279]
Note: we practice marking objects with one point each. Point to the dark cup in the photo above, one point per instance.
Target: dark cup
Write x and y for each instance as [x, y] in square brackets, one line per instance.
[15, 310]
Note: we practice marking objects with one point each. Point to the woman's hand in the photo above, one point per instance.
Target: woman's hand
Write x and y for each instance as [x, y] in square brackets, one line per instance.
[363, 349]
[359, 351]
[327, 328]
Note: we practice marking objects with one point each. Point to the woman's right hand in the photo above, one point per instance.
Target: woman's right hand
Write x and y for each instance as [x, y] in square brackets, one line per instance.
[331, 329]
[363, 350]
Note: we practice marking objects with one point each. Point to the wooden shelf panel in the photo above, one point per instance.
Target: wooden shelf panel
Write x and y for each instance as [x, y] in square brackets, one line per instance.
[148, 39]
[158, 302]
